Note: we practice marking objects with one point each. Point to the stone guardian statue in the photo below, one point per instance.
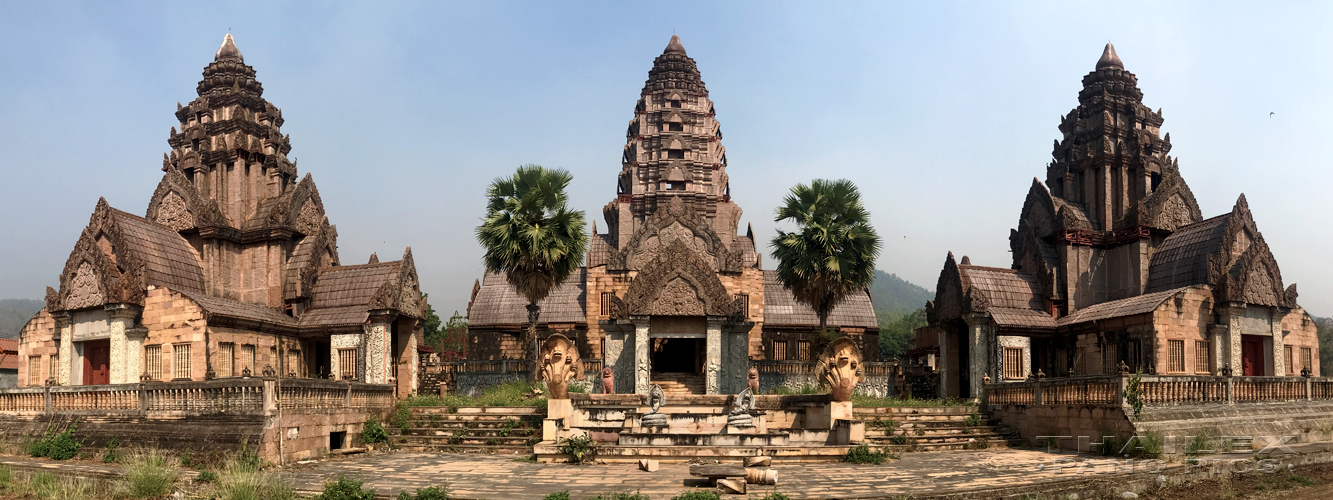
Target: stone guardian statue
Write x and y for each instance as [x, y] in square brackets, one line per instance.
[560, 363]
[840, 368]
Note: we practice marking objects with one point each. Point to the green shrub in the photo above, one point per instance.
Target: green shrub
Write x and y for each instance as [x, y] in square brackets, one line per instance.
[186, 459]
[63, 445]
[247, 458]
[6, 476]
[1133, 394]
[402, 418]
[697, 495]
[580, 447]
[973, 420]
[622, 496]
[1150, 445]
[776, 496]
[374, 433]
[1301, 480]
[112, 453]
[509, 425]
[559, 495]
[148, 474]
[1200, 444]
[207, 476]
[345, 488]
[863, 455]
[434, 493]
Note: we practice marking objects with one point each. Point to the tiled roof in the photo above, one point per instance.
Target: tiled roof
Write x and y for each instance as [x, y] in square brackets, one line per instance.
[350, 285]
[1182, 260]
[331, 316]
[1004, 288]
[9, 354]
[1131, 306]
[168, 259]
[292, 273]
[1022, 318]
[240, 310]
[744, 247]
[598, 248]
[498, 304]
[782, 309]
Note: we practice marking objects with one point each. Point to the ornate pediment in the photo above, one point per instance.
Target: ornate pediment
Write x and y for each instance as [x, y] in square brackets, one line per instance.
[178, 205]
[401, 293]
[1169, 207]
[678, 283]
[99, 270]
[670, 225]
[1243, 269]
[948, 303]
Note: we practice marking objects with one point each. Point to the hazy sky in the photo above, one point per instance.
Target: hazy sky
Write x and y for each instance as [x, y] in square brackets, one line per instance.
[942, 113]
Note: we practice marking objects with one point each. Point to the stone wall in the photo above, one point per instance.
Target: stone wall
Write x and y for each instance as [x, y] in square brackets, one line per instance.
[36, 338]
[474, 383]
[1071, 421]
[1307, 421]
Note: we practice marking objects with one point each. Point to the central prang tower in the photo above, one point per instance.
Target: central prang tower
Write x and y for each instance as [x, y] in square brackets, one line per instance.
[673, 149]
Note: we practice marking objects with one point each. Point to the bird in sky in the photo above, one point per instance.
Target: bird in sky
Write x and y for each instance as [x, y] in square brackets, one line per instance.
[1270, 114]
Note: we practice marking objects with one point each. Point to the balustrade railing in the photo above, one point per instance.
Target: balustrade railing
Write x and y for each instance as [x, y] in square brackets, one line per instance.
[1155, 390]
[783, 366]
[229, 396]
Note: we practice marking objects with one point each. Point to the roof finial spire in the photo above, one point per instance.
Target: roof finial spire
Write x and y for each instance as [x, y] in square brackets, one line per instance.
[675, 45]
[228, 49]
[1109, 59]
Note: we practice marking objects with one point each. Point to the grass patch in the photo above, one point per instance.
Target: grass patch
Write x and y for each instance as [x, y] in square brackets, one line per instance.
[783, 390]
[775, 496]
[621, 496]
[508, 394]
[864, 401]
[428, 493]
[61, 446]
[1202, 443]
[559, 495]
[697, 495]
[148, 474]
[973, 420]
[864, 455]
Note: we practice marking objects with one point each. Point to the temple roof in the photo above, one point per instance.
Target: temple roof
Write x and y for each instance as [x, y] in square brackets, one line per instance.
[781, 309]
[1131, 306]
[9, 354]
[1109, 59]
[168, 259]
[672, 46]
[498, 304]
[1182, 260]
[674, 70]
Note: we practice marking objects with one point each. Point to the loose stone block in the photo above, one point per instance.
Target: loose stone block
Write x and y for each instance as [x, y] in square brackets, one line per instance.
[761, 461]
[731, 486]
[649, 465]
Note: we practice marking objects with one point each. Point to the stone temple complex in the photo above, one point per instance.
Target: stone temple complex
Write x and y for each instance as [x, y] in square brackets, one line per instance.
[1113, 264]
[672, 294]
[233, 271]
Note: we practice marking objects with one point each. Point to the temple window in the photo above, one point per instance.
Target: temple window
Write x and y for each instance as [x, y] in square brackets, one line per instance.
[152, 361]
[1156, 180]
[1201, 356]
[675, 154]
[347, 358]
[180, 361]
[1013, 363]
[34, 370]
[226, 360]
[675, 127]
[1286, 356]
[1175, 356]
[675, 104]
[1307, 359]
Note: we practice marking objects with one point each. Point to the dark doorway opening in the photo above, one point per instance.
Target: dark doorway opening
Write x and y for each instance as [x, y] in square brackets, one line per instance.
[97, 362]
[964, 364]
[322, 359]
[337, 440]
[678, 355]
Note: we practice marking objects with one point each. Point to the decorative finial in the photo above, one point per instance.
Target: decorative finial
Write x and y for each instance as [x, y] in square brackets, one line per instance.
[1109, 59]
[228, 49]
[674, 45]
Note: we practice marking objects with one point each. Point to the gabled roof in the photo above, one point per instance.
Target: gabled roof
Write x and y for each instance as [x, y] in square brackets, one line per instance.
[498, 304]
[781, 309]
[350, 285]
[1182, 260]
[1121, 308]
[236, 309]
[1013, 298]
[168, 259]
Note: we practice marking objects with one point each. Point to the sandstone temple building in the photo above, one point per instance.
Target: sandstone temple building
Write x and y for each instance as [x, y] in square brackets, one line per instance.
[233, 271]
[672, 293]
[1113, 263]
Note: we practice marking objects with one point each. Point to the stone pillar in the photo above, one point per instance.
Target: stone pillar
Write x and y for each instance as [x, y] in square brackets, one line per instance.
[65, 339]
[643, 360]
[134, 366]
[980, 337]
[946, 362]
[1278, 356]
[121, 319]
[1217, 338]
[379, 360]
[1232, 314]
[735, 359]
[713, 355]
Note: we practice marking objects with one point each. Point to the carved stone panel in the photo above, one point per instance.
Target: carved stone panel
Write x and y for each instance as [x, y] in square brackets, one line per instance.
[174, 213]
[85, 289]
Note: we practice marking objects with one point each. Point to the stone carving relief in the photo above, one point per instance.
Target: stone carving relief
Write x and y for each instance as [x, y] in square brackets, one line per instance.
[173, 213]
[669, 225]
[1174, 214]
[678, 298]
[310, 219]
[840, 368]
[560, 363]
[85, 290]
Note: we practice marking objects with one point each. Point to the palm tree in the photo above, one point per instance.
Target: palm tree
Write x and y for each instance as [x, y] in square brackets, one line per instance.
[532, 237]
[832, 254]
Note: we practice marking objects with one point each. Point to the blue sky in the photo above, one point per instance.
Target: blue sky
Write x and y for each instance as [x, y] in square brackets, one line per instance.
[941, 112]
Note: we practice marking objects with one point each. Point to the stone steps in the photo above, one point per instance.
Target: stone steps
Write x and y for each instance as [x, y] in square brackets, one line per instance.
[508, 430]
[549, 452]
[679, 383]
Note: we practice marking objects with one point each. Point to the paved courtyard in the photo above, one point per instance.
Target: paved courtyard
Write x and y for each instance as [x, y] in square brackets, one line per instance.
[500, 477]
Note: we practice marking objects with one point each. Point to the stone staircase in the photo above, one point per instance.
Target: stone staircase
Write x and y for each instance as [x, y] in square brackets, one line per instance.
[939, 428]
[679, 383]
[507, 430]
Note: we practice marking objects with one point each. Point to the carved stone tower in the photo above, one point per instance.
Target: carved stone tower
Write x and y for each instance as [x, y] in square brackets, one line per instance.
[1111, 156]
[673, 150]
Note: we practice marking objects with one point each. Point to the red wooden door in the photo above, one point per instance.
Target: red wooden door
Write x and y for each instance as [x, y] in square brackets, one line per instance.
[1252, 357]
[96, 362]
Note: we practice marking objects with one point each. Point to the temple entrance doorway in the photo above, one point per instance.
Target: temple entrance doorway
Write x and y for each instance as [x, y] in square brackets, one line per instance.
[1252, 355]
[678, 365]
[97, 362]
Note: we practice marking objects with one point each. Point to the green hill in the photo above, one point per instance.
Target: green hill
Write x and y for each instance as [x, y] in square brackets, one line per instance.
[895, 295]
[14, 313]
[899, 308]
